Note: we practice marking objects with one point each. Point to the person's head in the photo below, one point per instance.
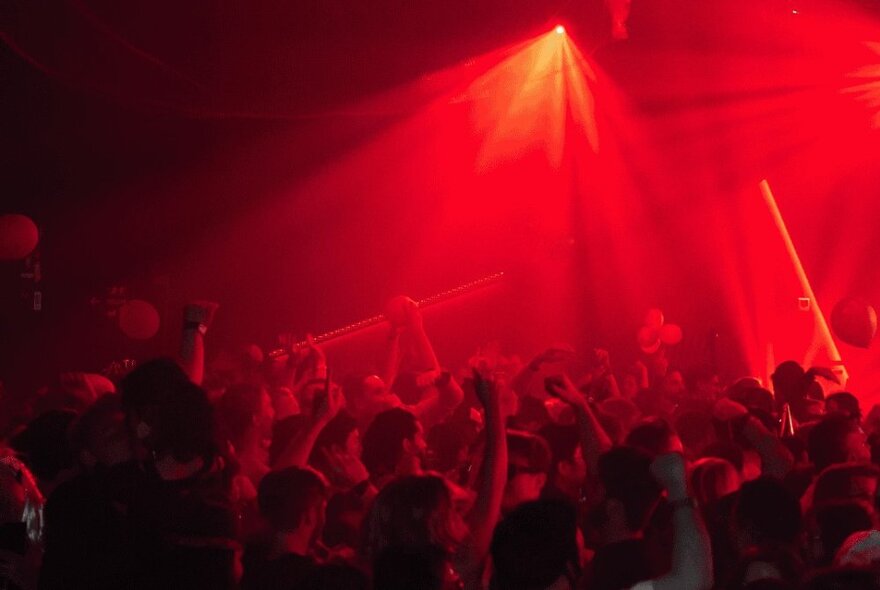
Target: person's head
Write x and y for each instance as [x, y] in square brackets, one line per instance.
[413, 511]
[789, 383]
[765, 514]
[245, 413]
[833, 522]
[630, 492]
[293, 501]
[335, 577]
[672, 385]
[843, 579]
[703, 383]
[844, 403]
[847, 481]
[394, 443]
[283, 432]
[404, 567]
[45, 446]
[528, 461]
[98, 437]
[536, 547]
[449, 443]
[655, 436]
[694, 427]
[341, 435]
[367, 395]
[761, 567]
[836, 439]
[567, 467]
[183, 427]
[712, 479]
[344, 519]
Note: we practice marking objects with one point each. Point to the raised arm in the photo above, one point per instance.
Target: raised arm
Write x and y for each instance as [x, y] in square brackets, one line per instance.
[556, 354]
[197, 317]
[298, 451]
[691, 548]
[594, 439]
[493, 471]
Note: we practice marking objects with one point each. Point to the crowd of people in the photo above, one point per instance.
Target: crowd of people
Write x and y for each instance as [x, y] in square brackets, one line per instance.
[271, 473]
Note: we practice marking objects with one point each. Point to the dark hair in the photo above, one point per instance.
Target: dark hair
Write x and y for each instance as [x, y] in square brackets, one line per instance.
[284, 496]
[838, 520]
[411, 511]
[447, 440]
[44, 443]
[838, 482]
[339, 530]
[651, 435]
[236, 409]
[826, 441]
[564, 440]
[334, 577]
[534, 545]
[848, 403]
[87, 432]
[840, 578]
[626, 477]
[530, 447]
[336, 432]
[183, 426]
[383, 440]
[725, 450]
[770, 512]
[151, 384]
[404, 567]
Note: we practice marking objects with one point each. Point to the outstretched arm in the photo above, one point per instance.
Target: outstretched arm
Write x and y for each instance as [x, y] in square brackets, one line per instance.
[691, 549]
[594, 439]
[493, 474]
[197, 317]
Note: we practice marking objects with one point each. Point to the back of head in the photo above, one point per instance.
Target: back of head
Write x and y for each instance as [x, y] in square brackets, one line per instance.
[183, 426]
[528, 450]
[767, 513]
[843, 579]
[151, 383]
[847, 481]
[836, 521]
[827, 441]
[712, 479]
[286, 495]
[383, 440]
[335, 577]
[403, 567]
[653, 435]
[535, 545]
[626, 477]
[845, 403]
[563, 440]
[45, 445]
[410, 511]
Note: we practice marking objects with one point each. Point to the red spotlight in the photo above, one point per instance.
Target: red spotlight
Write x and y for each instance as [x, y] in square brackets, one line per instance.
[560, 30]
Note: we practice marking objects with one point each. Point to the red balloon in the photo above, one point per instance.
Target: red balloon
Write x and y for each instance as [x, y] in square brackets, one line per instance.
[671, 334]
[649, 339]
[138, 319]
[854, 322]
[18, 236]
[654, 318]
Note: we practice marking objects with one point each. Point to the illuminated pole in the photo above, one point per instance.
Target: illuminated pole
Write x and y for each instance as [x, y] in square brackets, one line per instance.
[822, 334]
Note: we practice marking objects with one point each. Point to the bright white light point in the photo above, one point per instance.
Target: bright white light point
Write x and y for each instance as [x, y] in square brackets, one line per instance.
[560, 30]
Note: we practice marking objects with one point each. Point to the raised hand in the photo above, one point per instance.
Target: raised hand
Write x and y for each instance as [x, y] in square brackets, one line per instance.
[346, 470]
[670, 472]
[562, 388]
[328, 404]
[555, 354]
